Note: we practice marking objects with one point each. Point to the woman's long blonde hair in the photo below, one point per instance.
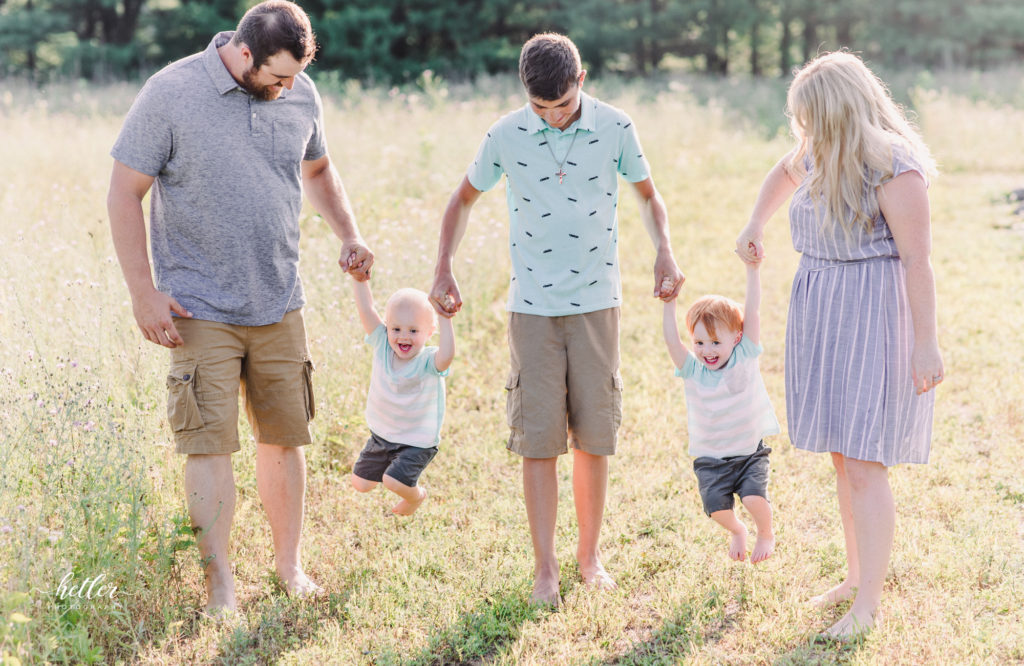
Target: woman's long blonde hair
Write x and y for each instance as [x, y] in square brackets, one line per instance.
[845, 120]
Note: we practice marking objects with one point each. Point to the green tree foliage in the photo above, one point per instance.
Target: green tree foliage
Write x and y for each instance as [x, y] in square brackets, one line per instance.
[396, 40]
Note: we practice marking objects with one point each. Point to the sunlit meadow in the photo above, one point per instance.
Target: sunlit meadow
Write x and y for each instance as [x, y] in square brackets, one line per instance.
[92, 491]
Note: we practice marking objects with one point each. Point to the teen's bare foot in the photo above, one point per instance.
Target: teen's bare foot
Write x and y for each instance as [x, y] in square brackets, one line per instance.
[763, 548]
[839, 593]
[300, 586]
[738, 546]
[407, 508]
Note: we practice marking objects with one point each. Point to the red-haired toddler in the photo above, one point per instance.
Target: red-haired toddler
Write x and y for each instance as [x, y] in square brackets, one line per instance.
[728, 410]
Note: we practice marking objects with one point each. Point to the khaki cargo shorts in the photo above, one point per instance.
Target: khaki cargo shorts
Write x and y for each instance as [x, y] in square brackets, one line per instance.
[564, 383]
[271, 365]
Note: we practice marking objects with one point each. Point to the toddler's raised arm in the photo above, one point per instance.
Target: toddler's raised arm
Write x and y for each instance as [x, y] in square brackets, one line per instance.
[364, 304]
[676, 349]
[752, 304]
[446, 344]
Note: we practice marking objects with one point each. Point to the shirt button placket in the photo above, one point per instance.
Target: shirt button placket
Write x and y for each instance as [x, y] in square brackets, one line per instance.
[254, 127]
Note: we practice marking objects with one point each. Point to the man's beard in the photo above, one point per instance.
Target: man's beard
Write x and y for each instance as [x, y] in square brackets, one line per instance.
[264, 93]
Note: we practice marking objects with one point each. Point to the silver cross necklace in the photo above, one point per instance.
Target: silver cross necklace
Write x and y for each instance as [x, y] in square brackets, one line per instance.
[561, 172]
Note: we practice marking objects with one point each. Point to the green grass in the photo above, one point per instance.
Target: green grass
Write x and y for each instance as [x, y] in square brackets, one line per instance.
[91, 485]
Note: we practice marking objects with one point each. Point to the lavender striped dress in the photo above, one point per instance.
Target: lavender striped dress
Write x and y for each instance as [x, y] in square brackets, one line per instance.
[849, 338]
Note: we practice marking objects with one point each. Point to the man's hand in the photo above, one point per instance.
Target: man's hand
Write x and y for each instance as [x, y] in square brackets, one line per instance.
[356, 259]
[153, 315]
[668, 279]
[445, 296]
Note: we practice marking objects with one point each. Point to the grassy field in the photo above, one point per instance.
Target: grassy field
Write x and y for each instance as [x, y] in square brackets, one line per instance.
[91, 486]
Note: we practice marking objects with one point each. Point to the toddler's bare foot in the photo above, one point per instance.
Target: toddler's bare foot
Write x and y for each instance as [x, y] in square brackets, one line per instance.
[763, 548]
[738, 546]
[545, 589]
[407, 508]
[837, 594]
[851, 626]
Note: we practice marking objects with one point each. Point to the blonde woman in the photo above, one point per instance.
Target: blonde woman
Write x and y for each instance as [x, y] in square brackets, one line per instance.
[862, 352]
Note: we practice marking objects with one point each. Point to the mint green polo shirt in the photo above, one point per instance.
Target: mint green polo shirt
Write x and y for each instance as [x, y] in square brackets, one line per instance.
[563, 238]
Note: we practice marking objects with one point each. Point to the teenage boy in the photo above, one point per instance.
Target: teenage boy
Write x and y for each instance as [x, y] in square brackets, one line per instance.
[562, 153]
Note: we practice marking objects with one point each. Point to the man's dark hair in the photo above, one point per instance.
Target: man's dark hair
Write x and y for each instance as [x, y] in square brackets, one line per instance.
[549, 65]
[274, 26]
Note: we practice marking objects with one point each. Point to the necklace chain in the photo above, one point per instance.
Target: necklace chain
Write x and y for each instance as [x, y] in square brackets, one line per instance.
[561, 172]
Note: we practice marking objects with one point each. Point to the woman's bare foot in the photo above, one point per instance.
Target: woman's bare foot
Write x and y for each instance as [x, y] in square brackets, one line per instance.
[738, 546]
[597, 577]
[763, 548]
[545, 588]
[851, 627]
[841, 592]
[407, 508]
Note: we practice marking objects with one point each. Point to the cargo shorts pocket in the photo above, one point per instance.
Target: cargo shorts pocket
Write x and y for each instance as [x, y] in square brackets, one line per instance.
[514, 402]
[182, 407]
[307, 382]
[617, 401]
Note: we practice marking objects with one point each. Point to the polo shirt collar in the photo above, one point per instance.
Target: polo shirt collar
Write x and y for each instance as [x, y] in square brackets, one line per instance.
[219, 74]
[585, 122]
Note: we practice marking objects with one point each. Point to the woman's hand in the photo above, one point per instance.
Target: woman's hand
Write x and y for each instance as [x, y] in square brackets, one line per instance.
[927, 368]
[750, 246]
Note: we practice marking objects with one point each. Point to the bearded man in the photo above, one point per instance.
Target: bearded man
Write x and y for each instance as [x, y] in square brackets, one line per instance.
[227, 140]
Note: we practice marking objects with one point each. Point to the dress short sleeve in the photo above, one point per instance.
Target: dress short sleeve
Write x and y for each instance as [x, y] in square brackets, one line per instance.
[902, 162]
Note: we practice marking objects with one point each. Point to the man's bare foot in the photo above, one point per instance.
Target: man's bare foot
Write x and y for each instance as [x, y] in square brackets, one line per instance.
[839, 593]
[851, 627]
[220, 592]
[221, 614]
[738, 546]
[763, 548]
[545, 588]
[407, 508]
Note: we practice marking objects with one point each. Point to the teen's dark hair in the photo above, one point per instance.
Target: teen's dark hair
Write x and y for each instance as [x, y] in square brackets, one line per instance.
[549, 65]
[274, 26]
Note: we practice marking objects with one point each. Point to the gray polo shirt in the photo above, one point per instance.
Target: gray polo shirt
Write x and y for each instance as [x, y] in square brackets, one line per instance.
[224, 214]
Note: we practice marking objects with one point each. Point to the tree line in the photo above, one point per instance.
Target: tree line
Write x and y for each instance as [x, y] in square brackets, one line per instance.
[393, 41]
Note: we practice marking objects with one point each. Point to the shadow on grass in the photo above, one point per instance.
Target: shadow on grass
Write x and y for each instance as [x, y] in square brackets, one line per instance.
[678, 637]
[479, 634]
[704, 623]
[810, 652]
[284, 624]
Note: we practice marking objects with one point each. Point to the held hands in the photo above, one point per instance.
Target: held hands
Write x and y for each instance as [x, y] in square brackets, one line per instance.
[926, 365]
[356, 259]
[750, 247]
[668, 279]
[153, 315]
[445, 296]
